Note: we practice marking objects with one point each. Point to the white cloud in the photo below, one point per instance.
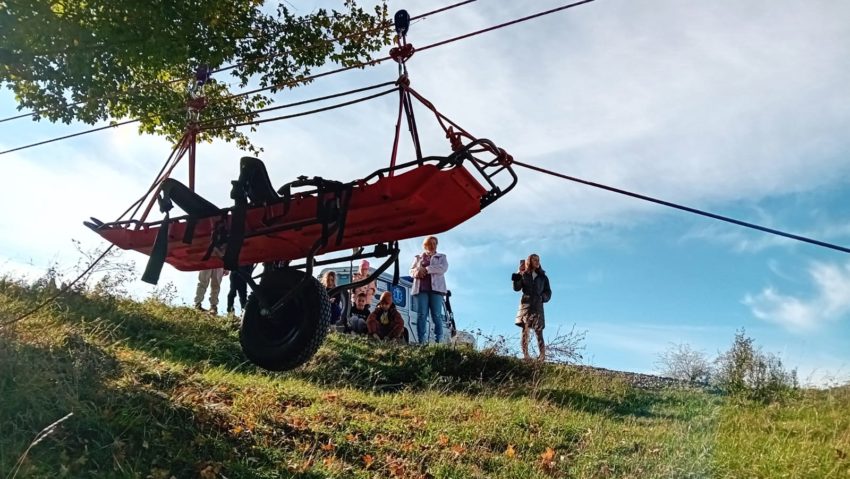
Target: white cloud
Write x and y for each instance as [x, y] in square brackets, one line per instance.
[829, 302]
[702, 103]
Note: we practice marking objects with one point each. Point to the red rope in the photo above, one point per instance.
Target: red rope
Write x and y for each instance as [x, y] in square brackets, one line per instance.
[188, 138]
[137, 204]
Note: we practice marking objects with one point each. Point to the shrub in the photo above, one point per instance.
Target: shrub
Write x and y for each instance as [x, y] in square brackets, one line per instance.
[683, 363]
[745, 371]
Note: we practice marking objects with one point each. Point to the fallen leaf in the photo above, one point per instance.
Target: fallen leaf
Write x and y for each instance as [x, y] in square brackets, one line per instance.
[396, 468]
[546, 459]
[510, 452]
[210, 471]
[351, 437]
[458, 449]
[330, 397]
[328, 447]
[443, 440]
[329, 461]
[368, 460]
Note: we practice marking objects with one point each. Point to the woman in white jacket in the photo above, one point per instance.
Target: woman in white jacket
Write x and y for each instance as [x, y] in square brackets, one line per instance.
[429, 288]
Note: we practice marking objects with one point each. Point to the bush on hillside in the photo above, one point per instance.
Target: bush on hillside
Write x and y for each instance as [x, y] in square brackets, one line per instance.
[686, 364]
[561, 347]
[745, 371]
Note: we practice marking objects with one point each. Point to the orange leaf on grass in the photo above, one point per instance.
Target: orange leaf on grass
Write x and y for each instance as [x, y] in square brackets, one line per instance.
[458, 449]
[547, 459]
[443, 440]
[396, 468]
[510, 452]
[368, 460]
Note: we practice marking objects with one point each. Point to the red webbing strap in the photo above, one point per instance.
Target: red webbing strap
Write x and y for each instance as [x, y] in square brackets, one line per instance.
[181, 151]
[138, 203]
[453, 136]
[455, 133]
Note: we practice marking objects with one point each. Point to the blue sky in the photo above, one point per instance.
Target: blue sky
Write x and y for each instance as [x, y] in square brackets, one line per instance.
[740, 108]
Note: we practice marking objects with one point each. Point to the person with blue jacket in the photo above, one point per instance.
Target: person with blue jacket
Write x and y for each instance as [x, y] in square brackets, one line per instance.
[531, 279]
[429, 288]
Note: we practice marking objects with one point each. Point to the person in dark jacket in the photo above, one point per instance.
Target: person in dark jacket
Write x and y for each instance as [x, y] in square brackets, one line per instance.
[239, 286]
[359, 314]
[531, 279]
[385, 322]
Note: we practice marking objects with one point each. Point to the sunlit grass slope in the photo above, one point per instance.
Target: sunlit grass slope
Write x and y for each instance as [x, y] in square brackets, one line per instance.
[160, 392]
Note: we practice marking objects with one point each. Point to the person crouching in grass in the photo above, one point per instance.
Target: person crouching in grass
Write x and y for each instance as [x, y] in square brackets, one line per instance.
[385, 321]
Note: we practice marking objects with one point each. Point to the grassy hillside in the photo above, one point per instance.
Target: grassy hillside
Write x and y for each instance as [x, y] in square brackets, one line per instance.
[161, 392]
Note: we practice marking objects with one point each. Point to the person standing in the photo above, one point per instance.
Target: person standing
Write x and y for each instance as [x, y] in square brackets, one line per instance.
[239, 286]
[531, 279]
[369, 288]
[329, 282]
[429, 288]
[209, 278]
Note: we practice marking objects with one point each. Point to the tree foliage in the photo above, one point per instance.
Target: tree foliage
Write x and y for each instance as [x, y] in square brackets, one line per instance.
[93, 60]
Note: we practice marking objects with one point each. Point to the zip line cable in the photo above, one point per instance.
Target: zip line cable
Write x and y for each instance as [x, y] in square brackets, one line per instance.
[237, 65]
[138, 203]
[299, 103]
[127, 122]
[303, 113]
[108, 249]
[506, 24]
[60, 292]
[331, 72]
[364, 32]
[684, 208]
[175, 153]
[72, 135]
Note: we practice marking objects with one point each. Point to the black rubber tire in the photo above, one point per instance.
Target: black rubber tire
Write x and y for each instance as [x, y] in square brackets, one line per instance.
[292, 336]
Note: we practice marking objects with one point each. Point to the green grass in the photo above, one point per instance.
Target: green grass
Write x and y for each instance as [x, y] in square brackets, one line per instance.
[160, 392]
